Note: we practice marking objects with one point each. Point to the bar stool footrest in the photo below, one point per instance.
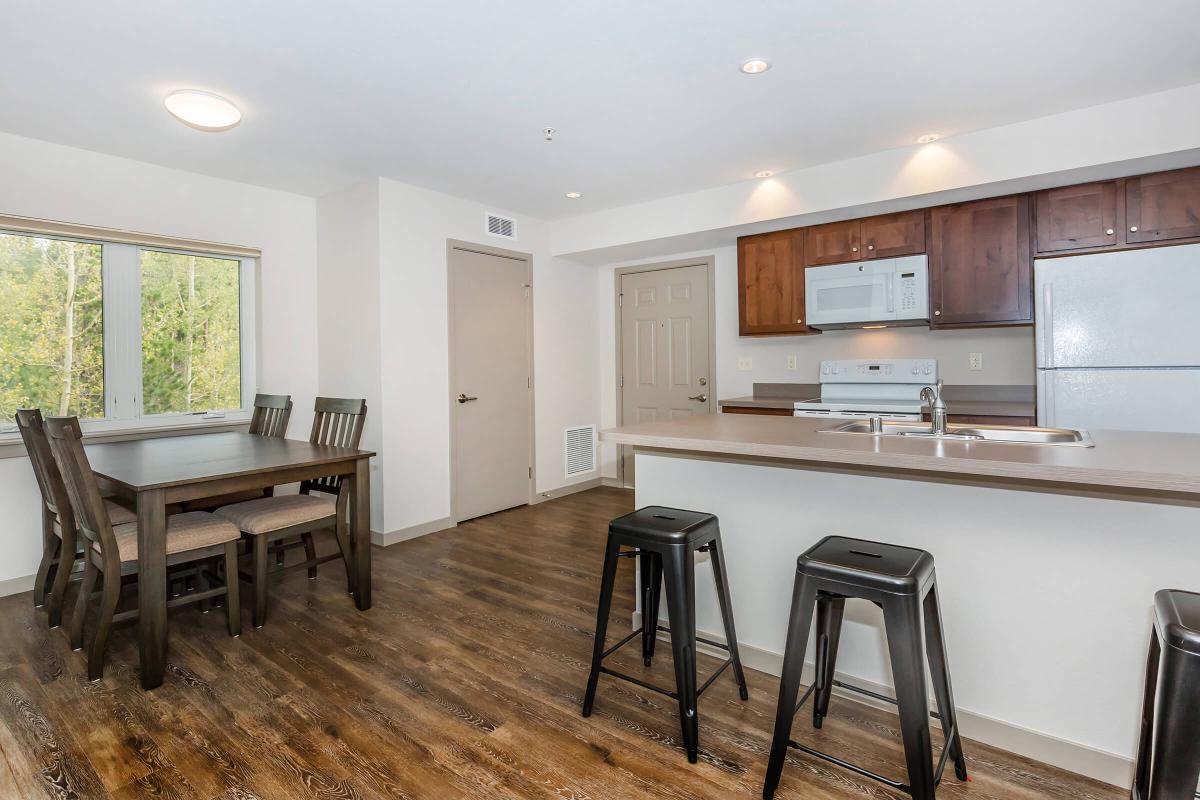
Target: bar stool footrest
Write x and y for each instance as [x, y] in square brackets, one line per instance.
[638, 681]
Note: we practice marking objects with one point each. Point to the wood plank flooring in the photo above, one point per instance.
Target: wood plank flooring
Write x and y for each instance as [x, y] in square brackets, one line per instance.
[464, 681]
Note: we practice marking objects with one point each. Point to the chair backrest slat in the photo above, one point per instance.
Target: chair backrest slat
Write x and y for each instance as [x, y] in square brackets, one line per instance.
[50, 482]
[91, 515]
[271, 415]
[337, 422]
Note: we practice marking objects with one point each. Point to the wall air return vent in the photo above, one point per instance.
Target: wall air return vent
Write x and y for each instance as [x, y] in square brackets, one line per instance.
[580, 446]
[503, 227]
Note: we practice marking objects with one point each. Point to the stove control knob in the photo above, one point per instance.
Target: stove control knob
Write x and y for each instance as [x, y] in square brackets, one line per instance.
[928, 370]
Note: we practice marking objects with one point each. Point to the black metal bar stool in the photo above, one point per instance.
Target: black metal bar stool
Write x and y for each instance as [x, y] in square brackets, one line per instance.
[900, 580]
[667, 540]
[1168, 760]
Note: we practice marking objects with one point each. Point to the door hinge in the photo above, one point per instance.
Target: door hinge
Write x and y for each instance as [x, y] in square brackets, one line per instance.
[622, 381]
[531, 472]
[528, 382]
[527, 290]
[621, 299]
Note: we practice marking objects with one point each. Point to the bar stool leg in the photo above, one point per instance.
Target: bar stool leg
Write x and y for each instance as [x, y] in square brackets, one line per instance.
[680, 577]
[935, 648]
[799, 622]
[651, 585]
[1175, 765]
[829, 633]
[720, 573]
[1141, 781]
[902, 618]
[607, 578]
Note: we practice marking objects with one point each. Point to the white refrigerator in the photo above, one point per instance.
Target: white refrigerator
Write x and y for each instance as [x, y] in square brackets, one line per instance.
[1118, 340]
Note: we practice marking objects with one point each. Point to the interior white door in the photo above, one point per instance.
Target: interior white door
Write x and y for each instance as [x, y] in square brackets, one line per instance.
[664, 368]
[490, 381]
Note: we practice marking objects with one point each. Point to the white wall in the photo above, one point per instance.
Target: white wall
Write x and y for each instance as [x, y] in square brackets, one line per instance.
[50, 181]
[1008, 357]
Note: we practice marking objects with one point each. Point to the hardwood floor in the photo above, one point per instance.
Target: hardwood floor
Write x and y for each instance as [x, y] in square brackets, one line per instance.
[464, 681]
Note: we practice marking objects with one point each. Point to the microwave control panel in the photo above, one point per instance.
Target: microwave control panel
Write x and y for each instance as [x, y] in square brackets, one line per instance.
[909, 288]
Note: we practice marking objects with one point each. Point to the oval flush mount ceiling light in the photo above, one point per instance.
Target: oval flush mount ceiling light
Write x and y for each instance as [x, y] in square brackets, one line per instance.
[755, 66]
[763, 173]
[203, 111]
[573, 195]
[929, 137]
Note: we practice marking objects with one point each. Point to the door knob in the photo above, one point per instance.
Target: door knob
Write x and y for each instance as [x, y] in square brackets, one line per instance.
[699, 398]
[703, 381]
[462, 398]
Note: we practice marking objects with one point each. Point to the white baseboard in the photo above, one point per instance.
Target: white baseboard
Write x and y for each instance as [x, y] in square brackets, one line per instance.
[1071, 756]
[582, 486]
[24, 583]
[404, 534]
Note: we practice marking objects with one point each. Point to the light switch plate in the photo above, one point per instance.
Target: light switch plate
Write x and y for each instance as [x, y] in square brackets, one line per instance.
[745, 363]
[791, 362]
[975, 362]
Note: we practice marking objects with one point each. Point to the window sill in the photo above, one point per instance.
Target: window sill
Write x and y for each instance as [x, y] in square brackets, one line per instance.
[11, 445]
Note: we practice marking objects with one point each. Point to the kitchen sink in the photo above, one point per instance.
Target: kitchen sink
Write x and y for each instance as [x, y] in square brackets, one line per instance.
[1059, 437]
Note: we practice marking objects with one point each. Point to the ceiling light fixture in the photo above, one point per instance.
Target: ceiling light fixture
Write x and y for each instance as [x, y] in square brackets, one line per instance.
[203, 111]
[763, 173]
[929, 137]
[755, 66]
[573, 195]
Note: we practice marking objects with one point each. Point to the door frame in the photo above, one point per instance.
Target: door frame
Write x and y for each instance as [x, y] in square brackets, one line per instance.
[515, 255]
[709, 264]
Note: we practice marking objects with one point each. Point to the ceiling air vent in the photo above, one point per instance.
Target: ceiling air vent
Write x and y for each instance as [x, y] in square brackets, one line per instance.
[501, 226]
[580, 449]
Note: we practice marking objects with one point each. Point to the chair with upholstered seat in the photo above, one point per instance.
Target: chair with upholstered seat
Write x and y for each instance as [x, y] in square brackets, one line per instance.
[321, 505]
[59, 539]
[111, 551]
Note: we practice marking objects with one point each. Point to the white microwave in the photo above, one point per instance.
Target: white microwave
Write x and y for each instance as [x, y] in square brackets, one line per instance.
[882, 291]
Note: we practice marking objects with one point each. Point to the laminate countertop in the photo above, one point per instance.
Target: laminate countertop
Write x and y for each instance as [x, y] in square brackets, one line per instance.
[1122, 460]
[972, 401]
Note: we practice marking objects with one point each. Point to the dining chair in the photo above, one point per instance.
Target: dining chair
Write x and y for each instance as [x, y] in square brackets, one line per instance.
[267, 520]
[59, 535]
[111, 551]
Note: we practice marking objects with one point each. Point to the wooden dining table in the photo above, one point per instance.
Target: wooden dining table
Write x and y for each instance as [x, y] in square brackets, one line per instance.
[156, 472]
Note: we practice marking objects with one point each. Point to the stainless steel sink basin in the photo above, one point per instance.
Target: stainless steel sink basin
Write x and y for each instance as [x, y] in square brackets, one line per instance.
[1058, 437]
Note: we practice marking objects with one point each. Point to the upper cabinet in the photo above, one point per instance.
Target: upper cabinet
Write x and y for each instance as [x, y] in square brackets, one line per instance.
[980, 266]
[1077, 217]
[886, 236]
[771, 284]
[1163, 206]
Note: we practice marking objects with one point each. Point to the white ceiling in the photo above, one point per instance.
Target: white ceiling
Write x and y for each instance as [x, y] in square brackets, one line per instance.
[647, 96]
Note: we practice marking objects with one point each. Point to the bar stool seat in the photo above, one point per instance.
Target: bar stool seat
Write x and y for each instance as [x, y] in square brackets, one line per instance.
[869, 565]
[666, 541]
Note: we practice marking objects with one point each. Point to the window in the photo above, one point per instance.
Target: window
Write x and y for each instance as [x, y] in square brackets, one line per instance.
[123, 335]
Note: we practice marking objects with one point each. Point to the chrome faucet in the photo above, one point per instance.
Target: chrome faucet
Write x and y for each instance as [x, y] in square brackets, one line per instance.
[932, 396]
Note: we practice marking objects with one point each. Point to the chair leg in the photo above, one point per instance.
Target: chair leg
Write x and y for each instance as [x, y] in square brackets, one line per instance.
[607, 578]
[104, 621]
[1141, 779]
[935, 647]
[203, 585]
[902, 619]
[86, 587]
[1175, 764]
[260, 580]
[233, 604]
[651, 590]
[829, 633]
[721, 576]
[310, 554]
[804, 597]
[280, 553]
[680, 577]
[51, 547]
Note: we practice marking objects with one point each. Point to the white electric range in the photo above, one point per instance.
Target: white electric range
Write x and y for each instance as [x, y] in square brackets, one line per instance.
[887, 388]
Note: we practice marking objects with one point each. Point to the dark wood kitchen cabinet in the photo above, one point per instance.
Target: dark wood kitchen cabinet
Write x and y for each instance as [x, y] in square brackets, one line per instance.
[833, 243]
[1077, 217]
[771, 284]
[1163, 206]
[884, 236]
[980, 263]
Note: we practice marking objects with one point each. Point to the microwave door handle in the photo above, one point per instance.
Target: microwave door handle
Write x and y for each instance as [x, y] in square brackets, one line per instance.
[890, 285]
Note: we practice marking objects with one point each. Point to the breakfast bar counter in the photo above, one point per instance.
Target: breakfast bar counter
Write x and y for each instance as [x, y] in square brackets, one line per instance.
[1047, 558]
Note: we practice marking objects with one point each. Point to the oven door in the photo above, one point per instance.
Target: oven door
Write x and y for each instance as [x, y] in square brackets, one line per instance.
[850, 293]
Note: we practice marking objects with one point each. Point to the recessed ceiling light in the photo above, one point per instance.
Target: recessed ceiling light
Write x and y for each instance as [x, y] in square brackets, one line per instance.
[203, 111]
[755, 65]
[573, 195]
[929, 137]
[763, 173]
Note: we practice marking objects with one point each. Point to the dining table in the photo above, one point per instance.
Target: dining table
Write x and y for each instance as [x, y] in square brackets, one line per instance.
[156, 472]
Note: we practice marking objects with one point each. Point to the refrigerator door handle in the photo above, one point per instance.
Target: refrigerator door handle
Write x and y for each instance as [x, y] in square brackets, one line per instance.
[1046, 322]
[1046, 400]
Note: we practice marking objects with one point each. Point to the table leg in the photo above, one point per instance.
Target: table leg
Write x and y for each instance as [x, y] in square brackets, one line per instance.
[360, 532]
[152, 585]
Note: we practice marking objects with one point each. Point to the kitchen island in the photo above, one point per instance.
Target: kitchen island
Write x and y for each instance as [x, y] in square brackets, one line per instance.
[1047, 557]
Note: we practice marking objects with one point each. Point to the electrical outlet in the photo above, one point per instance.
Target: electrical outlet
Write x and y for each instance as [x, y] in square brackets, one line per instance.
[791, 362]
[975, 362]
[745, 363]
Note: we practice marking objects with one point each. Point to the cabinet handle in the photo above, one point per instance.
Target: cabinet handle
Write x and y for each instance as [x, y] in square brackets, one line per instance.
[1133, 228]
[799, 321]
[870, 247]
[853, 249]
[937, 313]
[1109, 231]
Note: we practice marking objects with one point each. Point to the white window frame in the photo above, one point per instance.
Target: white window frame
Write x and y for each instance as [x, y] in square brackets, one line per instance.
[121, 274]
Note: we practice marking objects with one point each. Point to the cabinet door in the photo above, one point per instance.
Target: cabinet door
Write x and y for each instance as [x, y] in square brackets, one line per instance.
[833, 243]
[980, 263]
[771, 283]
[893, 235]
[1075, 217]
[1163, 206]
